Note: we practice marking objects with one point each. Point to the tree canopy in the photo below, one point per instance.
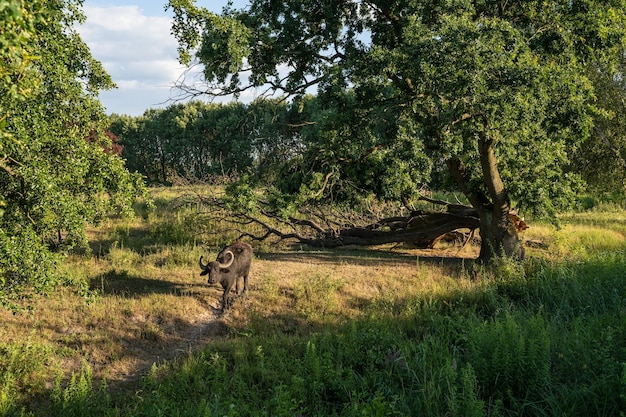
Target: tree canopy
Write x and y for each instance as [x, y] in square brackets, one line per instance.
[500, 93]
[56, 170]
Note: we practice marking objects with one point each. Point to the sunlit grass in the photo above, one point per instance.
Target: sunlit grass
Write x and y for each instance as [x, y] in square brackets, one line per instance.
[385, 324]
[579, 235]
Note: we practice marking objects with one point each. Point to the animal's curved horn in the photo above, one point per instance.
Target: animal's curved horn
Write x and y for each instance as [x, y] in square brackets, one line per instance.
[203, 266]
[228, 263]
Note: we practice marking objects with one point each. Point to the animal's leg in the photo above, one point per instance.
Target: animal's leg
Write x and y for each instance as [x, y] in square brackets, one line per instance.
[225, 303]
[245, 282]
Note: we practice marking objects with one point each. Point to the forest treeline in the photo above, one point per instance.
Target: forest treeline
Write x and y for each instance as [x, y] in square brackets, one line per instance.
[278, 142]
[199, 140]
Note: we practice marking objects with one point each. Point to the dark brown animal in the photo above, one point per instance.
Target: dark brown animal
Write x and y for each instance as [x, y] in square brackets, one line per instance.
[232, 263]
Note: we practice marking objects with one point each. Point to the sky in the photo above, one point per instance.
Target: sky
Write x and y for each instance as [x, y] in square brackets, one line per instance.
[132, 40]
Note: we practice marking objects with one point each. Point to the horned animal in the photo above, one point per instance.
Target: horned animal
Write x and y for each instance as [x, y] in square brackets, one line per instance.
[232, 263]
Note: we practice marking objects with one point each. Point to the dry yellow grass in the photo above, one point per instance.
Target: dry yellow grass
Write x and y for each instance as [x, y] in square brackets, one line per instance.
[147, 302]
[145, 309]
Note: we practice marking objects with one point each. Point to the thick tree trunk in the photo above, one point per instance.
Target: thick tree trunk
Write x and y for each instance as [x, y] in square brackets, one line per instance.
[498, 233]
[422, 229]
[499, 237]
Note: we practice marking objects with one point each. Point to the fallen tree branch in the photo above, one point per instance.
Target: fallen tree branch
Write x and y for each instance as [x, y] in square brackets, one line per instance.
[328, 227]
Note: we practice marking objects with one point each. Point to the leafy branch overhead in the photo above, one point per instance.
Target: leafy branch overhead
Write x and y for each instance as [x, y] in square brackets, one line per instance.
[499, 94]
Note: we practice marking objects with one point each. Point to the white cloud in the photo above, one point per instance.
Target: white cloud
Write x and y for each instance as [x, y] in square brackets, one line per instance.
[138, 52]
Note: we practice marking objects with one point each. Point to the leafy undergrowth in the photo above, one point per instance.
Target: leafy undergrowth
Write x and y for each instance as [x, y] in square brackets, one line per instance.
[379, 332]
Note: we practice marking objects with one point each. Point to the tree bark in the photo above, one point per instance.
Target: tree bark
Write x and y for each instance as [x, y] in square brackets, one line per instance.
[498, 233]
[422, 229]
[497, 230]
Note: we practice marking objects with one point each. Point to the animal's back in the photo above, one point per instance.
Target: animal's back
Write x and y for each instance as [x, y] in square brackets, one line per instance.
[243, 256]
[241, 247]
[244, 251]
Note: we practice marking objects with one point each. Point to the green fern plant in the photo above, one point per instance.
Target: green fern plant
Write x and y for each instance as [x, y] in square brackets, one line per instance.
[512, 358]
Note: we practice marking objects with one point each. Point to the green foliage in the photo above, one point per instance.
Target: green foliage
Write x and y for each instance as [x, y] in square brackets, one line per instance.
[501, 89]
[601, 160]
[352, 145]
[240, 197]
[500, 96]
[79, 398]
[55, 173]
[20, 364]
[26, 265]
[193, 140]
[290, 146]
[428, 64]
[18, 26]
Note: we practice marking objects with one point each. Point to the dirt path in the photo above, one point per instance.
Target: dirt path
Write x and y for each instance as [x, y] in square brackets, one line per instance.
[161, 313]
[192, 337]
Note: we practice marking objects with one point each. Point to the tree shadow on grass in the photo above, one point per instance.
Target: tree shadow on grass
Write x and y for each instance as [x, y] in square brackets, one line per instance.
[156, 339]
[391, 322]
[123, 284]
[370, 257]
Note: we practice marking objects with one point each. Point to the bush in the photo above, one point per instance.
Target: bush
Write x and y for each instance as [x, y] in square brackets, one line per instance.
[26, 267]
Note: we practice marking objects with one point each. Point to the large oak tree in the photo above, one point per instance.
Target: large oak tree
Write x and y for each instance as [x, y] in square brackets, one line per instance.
[497, 91]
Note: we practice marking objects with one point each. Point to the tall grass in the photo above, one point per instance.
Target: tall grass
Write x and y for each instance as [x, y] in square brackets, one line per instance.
[22, 365]
[532, 355]
[345, 333]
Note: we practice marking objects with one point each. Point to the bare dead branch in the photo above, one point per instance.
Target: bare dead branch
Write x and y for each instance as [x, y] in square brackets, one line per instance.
[319, 226]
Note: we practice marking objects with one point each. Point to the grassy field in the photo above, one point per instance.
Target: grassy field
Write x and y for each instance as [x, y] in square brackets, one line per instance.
[353, 332]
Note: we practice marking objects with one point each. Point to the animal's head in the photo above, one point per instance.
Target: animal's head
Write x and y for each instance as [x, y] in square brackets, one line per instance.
[216, 269]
